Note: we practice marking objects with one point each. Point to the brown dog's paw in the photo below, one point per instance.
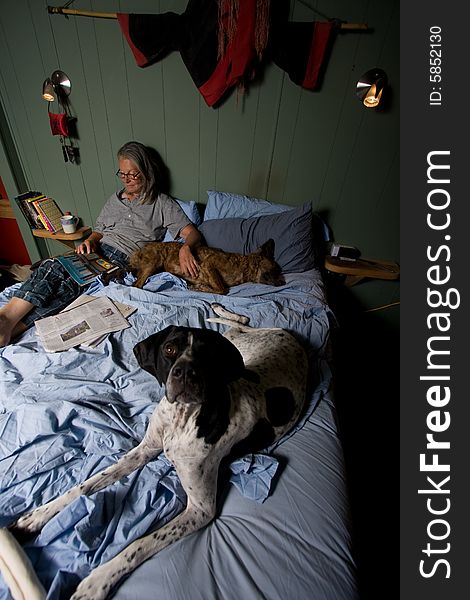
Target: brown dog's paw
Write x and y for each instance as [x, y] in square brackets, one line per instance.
[117, 275]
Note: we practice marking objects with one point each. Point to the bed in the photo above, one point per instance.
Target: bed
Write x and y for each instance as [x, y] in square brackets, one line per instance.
[283, 528]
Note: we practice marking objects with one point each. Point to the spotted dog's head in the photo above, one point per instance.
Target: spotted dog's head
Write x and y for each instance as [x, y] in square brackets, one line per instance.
[193, 364]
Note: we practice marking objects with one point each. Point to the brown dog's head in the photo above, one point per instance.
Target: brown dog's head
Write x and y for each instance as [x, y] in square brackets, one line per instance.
[193, 364]
[269, 272]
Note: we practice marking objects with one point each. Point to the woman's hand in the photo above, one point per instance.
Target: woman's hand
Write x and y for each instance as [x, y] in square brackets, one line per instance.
[90, 244]
[188, 263]
[192, 239]
[86, 247]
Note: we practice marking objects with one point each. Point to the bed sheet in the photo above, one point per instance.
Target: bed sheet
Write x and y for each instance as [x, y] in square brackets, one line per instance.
[67, 415]
[294, 546]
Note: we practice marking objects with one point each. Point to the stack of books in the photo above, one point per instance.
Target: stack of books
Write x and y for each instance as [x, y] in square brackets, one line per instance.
[40, 211]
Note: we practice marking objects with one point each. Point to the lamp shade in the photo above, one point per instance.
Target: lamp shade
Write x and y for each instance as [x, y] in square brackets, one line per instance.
[370, 87]
[58, 85]
[61, 83]
[48, 90]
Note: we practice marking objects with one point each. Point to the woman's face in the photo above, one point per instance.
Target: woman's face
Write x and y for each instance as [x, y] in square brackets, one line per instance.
[129, 168]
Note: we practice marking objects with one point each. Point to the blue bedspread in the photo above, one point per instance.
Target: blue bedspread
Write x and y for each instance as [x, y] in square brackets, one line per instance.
[64, 416]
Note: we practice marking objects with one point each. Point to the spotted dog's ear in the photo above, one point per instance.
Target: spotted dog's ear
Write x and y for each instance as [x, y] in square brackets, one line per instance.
[225, 360]
[146, 352]
[233, 364]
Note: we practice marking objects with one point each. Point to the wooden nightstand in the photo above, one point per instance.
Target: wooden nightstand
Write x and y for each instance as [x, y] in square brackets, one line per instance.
[361, 268]
[71, 240]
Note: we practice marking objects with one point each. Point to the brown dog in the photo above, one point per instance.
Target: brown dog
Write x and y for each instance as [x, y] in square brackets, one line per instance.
[218, 270]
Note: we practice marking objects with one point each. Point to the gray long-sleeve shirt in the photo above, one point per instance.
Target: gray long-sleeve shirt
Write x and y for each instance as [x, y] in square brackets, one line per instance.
[128, 225]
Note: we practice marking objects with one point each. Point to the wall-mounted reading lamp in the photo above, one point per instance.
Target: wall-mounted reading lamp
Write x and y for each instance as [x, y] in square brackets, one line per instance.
[370, 86]
[58, 85]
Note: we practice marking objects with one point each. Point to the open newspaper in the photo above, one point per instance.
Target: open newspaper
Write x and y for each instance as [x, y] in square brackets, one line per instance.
[84, 268]
[85, 323]
[125, 309]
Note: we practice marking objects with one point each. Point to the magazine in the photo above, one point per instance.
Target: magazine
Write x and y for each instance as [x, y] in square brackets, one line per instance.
[85, 323]
[84, 268]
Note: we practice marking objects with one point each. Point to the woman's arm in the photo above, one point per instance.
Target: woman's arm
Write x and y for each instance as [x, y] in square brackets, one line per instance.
[192, 239]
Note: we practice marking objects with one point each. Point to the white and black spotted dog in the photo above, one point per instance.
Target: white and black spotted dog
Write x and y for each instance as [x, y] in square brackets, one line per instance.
[243, 390]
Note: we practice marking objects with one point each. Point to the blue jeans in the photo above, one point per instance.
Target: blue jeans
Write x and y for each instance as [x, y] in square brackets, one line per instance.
[114, 256]
[50, 287]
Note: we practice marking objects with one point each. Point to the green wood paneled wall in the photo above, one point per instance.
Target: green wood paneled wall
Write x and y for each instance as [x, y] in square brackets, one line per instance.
[276, 141]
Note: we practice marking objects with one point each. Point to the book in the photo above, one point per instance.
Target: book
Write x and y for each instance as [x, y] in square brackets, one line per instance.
[50, 212]
[25, 203]
[25, 212]
[85, 268]
[33, 210]
[41, 217]
[40, 211]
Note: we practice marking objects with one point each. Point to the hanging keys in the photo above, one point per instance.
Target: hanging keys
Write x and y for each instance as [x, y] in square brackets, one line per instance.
[65, 154]
[73, 153]
[70, 153]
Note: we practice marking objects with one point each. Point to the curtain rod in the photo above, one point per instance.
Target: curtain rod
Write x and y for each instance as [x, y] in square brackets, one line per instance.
[59, 10]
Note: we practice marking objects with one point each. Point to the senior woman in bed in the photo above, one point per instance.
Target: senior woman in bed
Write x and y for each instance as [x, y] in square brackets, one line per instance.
[138, 214]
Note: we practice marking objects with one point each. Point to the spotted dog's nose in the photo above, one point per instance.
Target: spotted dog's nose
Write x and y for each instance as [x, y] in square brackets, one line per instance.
[184, 372]
[184, 383]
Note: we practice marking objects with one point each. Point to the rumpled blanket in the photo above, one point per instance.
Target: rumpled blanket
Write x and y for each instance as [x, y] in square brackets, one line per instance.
[65, 416]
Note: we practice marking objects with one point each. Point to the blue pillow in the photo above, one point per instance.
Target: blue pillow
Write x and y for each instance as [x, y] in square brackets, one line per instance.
[191, 210]
[223, 205]
[291, 231]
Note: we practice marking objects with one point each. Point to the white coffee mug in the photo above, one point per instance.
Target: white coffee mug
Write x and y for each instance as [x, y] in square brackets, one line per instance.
[69, 223]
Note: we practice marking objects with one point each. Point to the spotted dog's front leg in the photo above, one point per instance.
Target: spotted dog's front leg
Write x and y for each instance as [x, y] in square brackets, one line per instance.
[35, 520]
[102, 579]
[199, 481]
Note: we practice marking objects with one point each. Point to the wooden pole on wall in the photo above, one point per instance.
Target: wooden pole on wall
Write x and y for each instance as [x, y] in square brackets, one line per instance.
[59, 10]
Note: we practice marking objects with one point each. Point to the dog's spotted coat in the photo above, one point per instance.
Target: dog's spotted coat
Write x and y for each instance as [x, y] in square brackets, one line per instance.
[220, 397]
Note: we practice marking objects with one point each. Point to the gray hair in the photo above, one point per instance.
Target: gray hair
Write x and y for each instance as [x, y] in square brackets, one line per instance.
[154, 172]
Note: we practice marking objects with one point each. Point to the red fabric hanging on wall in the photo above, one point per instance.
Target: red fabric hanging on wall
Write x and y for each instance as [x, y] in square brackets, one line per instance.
[298, 48]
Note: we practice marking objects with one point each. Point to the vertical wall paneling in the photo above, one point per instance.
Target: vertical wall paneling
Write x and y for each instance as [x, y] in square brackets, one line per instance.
[276, 140]
[9, 168]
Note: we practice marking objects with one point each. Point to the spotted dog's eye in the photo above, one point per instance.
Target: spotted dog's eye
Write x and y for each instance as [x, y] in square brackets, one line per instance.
[170, 350]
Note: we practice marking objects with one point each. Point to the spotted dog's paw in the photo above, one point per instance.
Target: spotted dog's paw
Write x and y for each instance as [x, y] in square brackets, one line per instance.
[35, 520]
[223, 312]
[98, 584]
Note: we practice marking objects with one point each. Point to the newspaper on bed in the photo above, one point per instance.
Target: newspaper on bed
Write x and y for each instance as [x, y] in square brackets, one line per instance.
[125, 309]
[81, 324]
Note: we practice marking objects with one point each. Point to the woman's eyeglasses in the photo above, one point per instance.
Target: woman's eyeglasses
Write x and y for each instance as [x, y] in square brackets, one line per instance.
[129, 175]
